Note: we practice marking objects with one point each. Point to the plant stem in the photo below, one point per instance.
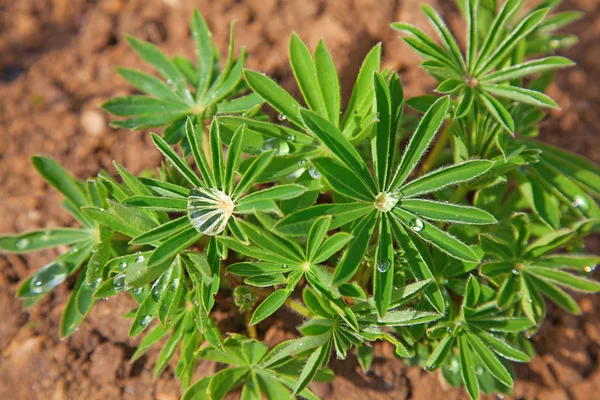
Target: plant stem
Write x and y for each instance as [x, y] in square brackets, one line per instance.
[250, 328]
[436, 150]
[299, 308]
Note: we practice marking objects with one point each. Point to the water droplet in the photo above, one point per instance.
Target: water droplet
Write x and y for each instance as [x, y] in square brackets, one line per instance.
[520, 293]
[590, 268]
[174, 284]
[301, 162]
[169, 82]
[428, 368]
[416, 224]
[314, 173]
[145, 320]
[581, 203]
[156, 290]
[46, 236]
[23, 243]
[123, 265]
[281, 117]
[140, 259]
[74, 250]
[449, 330]
[137, 291]
[479, 371]
[281, 147]
[291, 137]
[383, 266]
[515, 272]
[284, 266]
[96, 283]
[209, 210]
[48, 277]
[119, 283]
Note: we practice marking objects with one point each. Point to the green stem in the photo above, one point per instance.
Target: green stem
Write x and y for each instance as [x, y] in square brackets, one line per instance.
[299, 308]
[251, 329]
[439, 145]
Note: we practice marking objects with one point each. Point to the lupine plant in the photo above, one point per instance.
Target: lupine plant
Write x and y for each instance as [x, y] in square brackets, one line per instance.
[338, 213]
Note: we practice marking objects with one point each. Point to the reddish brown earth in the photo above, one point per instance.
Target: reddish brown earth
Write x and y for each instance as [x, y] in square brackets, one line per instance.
[57, 60]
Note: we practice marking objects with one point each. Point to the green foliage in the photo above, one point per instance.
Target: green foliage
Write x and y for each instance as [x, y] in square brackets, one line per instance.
[448, 256]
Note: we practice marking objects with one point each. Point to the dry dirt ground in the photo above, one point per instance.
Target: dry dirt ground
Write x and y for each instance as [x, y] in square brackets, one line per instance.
[57, 60]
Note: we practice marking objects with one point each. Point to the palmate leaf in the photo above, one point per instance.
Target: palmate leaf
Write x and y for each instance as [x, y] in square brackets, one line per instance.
[191, 91]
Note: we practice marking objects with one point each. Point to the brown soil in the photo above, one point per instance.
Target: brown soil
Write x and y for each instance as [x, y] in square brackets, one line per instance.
[57, 60]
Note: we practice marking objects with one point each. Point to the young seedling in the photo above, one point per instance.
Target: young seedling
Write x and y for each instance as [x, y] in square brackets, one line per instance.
[335, 213]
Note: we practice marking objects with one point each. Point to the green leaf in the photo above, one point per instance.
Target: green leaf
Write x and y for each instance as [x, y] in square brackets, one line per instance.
[42, 239]
[271, 304]
[152, 54]
[497, 110]
[565, 279]
[406, 317]
[166, 252]
[328, 82]
[299, 223]
[151, 338]
[313, 364]
[272, 243]
[306, 75]
[60, 179]
[472, 16]
[339, 146]
[276, 96]
[343, 180]
[233, 158]
[157, 203]
[420, 141]
[582, 262]
[442, 240]
[385, 139]
[316, 235]
[177, 161]
[279, 192]
[162, 231]
[363, 88]
[148, 84]
[522, 95]
[194, 137]
[467, 368]
[169, 349]
[258, 165]
[528, 24]
[489, 359]
[496, 30]
[556, 294]
[446, 176]
[501, 347]
[445, 35]
[448, 212]
[418, 266]
[332, 245]
[356, 248]
[198, 390]
[216, 154]
[384, 267]
[115, 223]
[439, 353]
[142, 105]
[548, 242]
[71, 318]
[528, 68]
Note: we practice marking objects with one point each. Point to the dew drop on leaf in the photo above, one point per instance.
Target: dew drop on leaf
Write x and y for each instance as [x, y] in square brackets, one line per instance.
[301, 162]
[156, 289]
[291, 137]
[137, 291]
[140, 259]
[383, 266]
[119, 283]
[280, 146]
[416, 224]
[314, 173]
[281, 117]
[174, 284]
[145, 320]
[209, 210]
[581, 203]
[515, 272]
[123, 265]
[48, 277]
[23, 243]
